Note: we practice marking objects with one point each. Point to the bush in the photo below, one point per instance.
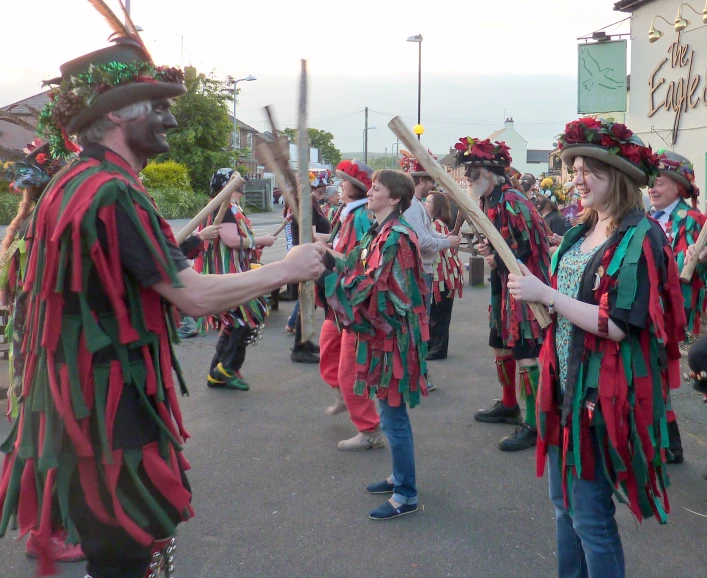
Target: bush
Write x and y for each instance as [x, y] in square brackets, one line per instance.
[167, 175]
[8, 205]
[177, 203]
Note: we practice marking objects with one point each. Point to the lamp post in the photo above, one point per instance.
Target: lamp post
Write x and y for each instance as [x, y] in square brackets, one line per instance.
[365, 142]
[248, 78]
[418, 38]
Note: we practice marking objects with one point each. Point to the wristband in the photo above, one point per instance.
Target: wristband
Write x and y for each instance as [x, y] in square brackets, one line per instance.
[603, 322]
[551, 305]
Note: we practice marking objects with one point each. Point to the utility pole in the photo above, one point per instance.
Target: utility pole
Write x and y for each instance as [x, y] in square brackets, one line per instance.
[365, 139]
[127, 7]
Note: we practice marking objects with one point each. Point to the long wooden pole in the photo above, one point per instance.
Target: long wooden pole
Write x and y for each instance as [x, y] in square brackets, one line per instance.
[306, 292]
[216, 202]
[280, 179]
[474, 213]
[688, 268]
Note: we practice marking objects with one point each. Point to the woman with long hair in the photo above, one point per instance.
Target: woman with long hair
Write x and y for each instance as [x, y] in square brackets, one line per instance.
[611, 353]
[448, 278]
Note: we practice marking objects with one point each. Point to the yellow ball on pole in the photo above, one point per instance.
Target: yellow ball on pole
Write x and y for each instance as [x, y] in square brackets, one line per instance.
[418, 129]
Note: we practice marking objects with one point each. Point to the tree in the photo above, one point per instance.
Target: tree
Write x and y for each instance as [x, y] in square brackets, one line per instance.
[320, 139]
[202, 141]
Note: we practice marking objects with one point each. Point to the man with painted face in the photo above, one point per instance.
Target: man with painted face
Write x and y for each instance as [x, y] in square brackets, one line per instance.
[101, 427]
[682, 223]
[515, 334]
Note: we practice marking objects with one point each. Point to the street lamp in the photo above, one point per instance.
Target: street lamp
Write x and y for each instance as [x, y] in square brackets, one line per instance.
[365, 142]
[418, 38]
[248, 78]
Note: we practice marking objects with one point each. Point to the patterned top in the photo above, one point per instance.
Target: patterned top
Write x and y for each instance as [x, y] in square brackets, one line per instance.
[569, 277]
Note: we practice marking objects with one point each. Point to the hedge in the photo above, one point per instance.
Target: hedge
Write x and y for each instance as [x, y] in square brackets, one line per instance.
[167, 175]
[176, 203]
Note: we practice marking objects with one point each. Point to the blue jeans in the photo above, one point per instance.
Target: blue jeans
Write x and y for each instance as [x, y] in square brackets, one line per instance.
[588, 542]
[293, 317]
[395, 424]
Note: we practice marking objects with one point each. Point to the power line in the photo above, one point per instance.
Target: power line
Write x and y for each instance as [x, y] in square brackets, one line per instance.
[437, 120]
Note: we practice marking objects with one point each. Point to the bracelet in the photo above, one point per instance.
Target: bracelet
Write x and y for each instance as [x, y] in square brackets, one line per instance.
[551, 305]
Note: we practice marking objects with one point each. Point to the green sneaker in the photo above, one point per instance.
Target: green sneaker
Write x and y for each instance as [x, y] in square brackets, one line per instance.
[221, 377]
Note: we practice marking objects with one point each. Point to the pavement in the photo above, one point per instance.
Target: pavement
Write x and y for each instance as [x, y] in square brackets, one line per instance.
[275, 498]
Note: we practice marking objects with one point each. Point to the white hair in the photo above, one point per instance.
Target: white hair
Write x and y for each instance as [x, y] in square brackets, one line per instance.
[95, 131]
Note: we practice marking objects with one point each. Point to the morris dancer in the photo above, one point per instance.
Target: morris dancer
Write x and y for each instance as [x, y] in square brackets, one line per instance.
[232, 251]
[682, 224]
[30, 177]
[429, 240]
[611, 353]
[515, 335]
[101, 425]
[447, 279]
[378, 292]
[337, 364]
[308, 352]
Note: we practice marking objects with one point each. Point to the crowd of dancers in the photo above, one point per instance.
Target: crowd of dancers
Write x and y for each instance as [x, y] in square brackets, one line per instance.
[94, 466]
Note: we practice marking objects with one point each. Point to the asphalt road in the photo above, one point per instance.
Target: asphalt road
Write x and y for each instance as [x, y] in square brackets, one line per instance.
[275, 498]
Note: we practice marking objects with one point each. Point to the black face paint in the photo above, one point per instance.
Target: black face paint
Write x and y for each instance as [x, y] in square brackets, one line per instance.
[473, 174]
[146, 136]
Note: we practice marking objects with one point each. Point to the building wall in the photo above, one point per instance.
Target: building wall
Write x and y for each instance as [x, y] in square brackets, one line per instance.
[691, 138]
[519, 150]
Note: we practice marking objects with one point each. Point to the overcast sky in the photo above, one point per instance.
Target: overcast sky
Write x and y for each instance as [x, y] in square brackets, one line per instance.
[481, 60]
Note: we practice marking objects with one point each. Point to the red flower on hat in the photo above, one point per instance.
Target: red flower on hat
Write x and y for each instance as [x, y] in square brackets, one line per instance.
[590, 122]
[607, 141]
[621, 131]
[633, 152]
[574, 132]
[483, 149]
[41, 158]
[353, 171]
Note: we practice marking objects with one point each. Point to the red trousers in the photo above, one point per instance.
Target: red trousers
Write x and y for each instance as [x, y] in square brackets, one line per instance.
[337, 366]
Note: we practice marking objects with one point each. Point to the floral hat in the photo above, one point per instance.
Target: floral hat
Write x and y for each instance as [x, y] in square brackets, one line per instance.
[483, 153]
[412, 166]
[357, 172]
[612, 143]
[319, 178]
[35, 170]
[680, 169]
[98, 83]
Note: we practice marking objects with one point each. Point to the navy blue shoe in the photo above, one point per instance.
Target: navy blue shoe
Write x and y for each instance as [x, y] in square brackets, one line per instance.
[380, 488]
[387, 511]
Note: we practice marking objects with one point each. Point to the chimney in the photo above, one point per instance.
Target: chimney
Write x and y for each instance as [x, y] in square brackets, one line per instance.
[509, 123]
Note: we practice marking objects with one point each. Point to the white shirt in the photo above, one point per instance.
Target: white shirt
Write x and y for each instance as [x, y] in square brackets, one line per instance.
[667, 211]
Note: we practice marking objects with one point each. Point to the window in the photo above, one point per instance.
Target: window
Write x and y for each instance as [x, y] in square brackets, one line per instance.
[249, 140]
[237, 142]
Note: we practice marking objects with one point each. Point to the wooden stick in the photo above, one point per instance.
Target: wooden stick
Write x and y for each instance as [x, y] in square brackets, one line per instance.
[306, 289]
[280, 228]
[465, 204]
[217, 201]
[688, 268]
[222, 210]
[280, 178]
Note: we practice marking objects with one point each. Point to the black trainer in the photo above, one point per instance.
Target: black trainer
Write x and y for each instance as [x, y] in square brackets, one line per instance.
[304, 356]
[499, 413]
[309, 346]
[525, 436]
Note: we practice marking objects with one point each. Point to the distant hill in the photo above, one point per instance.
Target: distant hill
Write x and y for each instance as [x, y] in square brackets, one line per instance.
[372, 155]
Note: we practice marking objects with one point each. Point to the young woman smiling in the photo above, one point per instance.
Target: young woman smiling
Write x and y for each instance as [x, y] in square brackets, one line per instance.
[611, 353]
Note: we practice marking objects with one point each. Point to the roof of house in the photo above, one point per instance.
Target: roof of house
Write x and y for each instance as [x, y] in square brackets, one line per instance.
[36, 102]
[495, 134]
[538, 156]
[629, 5]
[242, 125]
